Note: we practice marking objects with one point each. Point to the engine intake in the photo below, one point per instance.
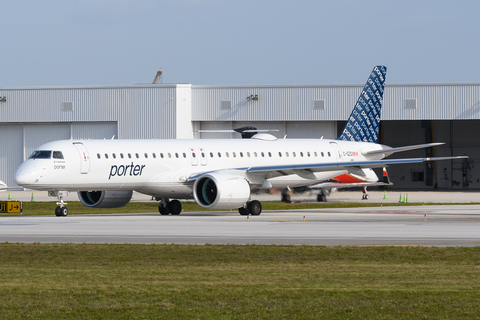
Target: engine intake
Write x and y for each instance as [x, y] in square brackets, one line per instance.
[105, 199]
[221, 191]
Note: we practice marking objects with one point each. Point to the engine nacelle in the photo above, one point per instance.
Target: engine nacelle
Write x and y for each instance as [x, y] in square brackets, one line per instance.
[221, 191]
[105, 199]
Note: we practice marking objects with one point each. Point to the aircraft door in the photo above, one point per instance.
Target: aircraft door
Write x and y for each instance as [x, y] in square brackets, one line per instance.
[84, 157]
[193, 154]
[338, 151]
[203, 156]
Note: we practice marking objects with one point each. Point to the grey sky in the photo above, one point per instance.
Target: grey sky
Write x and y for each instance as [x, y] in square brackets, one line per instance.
[109, 42]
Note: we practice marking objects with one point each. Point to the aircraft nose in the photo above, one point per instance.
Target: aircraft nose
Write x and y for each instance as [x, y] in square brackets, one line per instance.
[24, 176]
[21, 177]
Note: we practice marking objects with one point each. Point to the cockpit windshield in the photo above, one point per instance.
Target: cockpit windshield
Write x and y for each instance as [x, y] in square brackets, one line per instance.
[41, 154]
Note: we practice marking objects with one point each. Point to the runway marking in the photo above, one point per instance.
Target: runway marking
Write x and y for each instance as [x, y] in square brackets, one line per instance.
[287, 221]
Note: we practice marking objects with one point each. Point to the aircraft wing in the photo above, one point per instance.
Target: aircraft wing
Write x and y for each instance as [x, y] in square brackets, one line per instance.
[294, 169]
[3, 187]
[338, 185]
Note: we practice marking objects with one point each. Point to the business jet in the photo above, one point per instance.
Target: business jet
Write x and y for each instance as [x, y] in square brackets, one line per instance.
[218, 174]
[346, 180]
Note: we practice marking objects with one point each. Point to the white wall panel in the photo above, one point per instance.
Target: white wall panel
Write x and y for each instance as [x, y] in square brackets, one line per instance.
[11, 151]
[94, 130]
[38, 134]
[311, 130]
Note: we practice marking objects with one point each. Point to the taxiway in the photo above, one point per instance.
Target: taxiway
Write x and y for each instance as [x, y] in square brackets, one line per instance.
[449, 225]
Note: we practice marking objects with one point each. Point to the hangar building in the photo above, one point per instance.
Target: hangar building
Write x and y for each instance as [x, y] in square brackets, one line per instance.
[411, 114]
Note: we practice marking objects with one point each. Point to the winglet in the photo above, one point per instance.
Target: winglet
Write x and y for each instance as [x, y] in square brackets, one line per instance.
[364, 121]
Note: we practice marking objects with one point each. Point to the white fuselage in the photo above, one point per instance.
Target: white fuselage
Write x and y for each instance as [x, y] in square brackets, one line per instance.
[162, 168]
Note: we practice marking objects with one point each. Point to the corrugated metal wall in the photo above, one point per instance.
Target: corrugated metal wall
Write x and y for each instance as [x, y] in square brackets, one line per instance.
[296, 103]
[140, 111]
[173, 111]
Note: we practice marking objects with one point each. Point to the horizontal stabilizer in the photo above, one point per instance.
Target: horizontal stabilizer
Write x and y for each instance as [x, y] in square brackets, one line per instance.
[388, 151]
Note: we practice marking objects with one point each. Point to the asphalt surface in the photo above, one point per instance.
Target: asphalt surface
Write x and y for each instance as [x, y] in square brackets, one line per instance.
[450, 225]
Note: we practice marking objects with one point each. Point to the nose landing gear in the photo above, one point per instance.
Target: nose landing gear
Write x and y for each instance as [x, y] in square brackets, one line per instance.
[61, 210]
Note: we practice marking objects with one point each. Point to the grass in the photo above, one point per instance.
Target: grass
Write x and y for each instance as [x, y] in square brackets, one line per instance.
[76, 207]
[51, 281]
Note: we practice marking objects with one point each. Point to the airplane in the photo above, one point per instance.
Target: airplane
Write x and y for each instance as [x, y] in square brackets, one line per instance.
[346, 180]
[2, 185]
[217, 173]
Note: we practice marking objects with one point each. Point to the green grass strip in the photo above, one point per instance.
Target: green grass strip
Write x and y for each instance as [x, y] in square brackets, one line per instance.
[66, 281]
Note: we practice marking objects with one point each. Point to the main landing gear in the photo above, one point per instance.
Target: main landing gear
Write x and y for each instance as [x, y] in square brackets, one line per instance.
[61, 210]
[253, 207]
[165, 207]
[365, 194]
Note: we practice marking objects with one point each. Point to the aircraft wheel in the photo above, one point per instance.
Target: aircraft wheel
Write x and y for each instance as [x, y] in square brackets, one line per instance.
[255, 207]
[286, 198]
[321, 198]
[57, 212]
[243, 211]
[63, 211]
[365, 197]
[175, 207]
[163, 211]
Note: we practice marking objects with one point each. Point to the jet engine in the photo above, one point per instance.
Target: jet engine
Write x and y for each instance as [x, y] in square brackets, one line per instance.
[221, 191]
[105, 199]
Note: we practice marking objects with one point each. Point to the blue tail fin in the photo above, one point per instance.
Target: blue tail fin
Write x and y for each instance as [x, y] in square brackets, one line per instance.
[363, 123]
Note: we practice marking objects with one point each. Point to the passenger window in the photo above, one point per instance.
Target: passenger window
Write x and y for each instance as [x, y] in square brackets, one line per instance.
[248, 154]
[234, 155]
[154, 155]
[328, 153]
[98, 155]
[294, 154]
[176, 155]
[146, 155]
[308, 153]
[280, 154]
[301, 154]
[315, 153]
[255, 154]
[226, 153]
[106, 156]
[203, 155]
[184, 155]
[129, 156]
[322, 154]
[121, 155]
[211, 154]
[161, 155]
[169, 155]
[263, 155]
[219, 155]
[241, 154]
[136, 155]
[114, 156]
[193, 155]
[57, 155]
[270, 154]
[286, 153]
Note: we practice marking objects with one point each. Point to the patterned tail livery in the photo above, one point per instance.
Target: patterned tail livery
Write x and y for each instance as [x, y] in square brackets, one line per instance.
[363, 123]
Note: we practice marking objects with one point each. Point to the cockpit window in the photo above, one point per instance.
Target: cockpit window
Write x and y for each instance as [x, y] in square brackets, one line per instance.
[41, 154]
[57, 155]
